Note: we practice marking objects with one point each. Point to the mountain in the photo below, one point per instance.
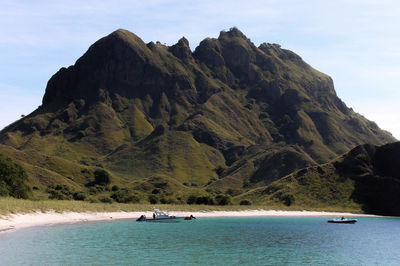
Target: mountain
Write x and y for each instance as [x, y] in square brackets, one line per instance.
[229, 116]
[367, 178]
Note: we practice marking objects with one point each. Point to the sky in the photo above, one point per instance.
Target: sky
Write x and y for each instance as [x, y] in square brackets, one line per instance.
[356, 42]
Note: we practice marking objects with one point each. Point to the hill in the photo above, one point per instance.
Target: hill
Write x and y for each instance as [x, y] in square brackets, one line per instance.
[366, 178]
[228, 117]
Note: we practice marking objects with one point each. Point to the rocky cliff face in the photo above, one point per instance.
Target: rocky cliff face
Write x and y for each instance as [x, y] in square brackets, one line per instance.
[229, 114]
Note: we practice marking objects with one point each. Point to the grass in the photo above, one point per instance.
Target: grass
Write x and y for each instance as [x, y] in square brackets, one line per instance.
[11, 205]
[318, 187]
[14, 206]
[46, 170]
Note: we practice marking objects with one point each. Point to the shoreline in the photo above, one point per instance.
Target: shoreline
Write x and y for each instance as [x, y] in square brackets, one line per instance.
[18, 221]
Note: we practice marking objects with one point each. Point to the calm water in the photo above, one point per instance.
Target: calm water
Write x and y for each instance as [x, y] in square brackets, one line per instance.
[207, 241]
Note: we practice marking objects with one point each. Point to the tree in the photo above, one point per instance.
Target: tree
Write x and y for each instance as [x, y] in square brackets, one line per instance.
[102, 177]
[12, 179]
[153, 199]
[223, 199]
[191, 199]
[245, 202]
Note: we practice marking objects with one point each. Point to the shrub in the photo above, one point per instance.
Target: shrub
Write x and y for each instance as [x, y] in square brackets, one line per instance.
[93, 191]
[105, 199]
[191, 200]
[219, 170]
[102, 177]
[115, 188]
[12, 179]
[206, 200]
[79, 196]
[124, 196]
[59, 195]
[92, 200]
[60, 192]
[223, 199]
[118, 196]
[168, 200]
[245, 202]
[288, 199]
[132, 198]
[156, 191]
[63, 188]
[153, 199]
[96, 189]
[3, 189]
[233, 192]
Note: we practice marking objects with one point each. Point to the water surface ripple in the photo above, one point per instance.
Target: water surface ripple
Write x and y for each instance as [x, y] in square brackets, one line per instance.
[207, 241]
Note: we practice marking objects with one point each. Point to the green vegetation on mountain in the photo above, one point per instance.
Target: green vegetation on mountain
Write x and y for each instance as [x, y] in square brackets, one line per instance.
[13, 179]
[366, 178]
[170, 125]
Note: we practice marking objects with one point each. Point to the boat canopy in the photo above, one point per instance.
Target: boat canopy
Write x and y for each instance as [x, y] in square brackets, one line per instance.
[159, 213]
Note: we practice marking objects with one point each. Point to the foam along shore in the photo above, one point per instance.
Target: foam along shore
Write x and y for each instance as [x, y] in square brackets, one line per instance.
[16, 221]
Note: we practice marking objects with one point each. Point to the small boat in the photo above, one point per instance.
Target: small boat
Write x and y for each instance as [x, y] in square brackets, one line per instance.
[343, 221]
[160, 216]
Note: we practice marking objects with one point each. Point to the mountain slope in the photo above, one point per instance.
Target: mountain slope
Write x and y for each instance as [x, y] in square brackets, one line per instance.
[366, 178]
[229, 114]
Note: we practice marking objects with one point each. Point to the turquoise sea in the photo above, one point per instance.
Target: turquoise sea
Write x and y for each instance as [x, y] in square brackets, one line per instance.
[207, 241]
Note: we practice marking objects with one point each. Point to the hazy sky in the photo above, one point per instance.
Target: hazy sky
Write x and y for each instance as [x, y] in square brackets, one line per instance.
[356, 42]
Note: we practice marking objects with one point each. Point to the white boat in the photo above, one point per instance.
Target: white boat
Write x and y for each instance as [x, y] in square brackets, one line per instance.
[159, 216]
[343, 221]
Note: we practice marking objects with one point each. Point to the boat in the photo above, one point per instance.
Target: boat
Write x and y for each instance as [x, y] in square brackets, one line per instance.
[160, 216]
[343, 221]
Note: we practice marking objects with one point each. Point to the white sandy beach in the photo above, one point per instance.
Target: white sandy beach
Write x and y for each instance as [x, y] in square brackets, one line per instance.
[17, 221]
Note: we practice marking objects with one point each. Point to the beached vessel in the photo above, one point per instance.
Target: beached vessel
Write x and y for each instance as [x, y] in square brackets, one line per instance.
[159, 216]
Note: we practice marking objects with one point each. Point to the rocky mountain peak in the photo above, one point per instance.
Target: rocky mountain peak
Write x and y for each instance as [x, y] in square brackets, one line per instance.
[232, 33]
[209, 51]
[182, 50]
[183, 41]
